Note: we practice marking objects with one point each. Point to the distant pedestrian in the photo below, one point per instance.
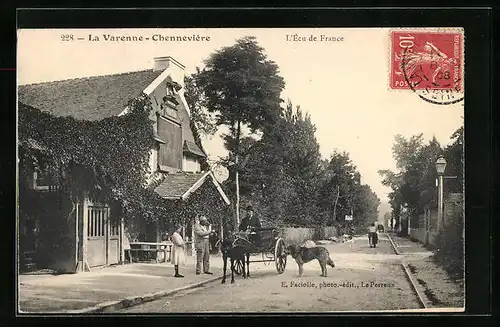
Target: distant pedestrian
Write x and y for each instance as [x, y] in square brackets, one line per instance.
[372, 235]
[202, 243]
[178, 251]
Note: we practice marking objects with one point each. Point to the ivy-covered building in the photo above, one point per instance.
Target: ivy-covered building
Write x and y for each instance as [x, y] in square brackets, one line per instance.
[68, 235]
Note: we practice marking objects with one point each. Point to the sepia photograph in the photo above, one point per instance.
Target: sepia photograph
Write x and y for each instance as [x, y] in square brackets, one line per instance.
[239, 170]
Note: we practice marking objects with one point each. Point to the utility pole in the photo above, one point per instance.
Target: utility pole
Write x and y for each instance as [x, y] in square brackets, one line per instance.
[237, 191]
[335, 205]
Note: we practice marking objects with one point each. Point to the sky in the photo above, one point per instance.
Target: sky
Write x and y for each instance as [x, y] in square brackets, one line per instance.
[343, 84]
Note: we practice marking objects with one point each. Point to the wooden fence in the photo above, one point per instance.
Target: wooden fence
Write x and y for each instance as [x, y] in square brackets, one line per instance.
[425, 228]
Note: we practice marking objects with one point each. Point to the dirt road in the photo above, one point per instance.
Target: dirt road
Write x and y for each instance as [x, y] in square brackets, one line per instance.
[364, 279]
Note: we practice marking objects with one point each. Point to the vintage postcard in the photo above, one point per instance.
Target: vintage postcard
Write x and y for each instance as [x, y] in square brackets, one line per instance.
[240, 170]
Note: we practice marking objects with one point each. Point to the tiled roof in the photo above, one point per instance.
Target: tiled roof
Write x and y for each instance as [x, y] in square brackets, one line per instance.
[181, 185]
[193, 148]
[175, 185]
[91, 98]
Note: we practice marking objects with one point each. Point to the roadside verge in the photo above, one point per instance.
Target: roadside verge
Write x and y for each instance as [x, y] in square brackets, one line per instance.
[113, 306]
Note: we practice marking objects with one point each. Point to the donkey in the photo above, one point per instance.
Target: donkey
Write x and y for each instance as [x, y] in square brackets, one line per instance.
[236, 248]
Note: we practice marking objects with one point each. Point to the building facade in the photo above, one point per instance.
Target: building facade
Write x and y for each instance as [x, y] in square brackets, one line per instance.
[72, 235]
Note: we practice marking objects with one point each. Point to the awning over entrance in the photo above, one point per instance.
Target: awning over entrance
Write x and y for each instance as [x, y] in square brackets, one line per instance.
[181, 185]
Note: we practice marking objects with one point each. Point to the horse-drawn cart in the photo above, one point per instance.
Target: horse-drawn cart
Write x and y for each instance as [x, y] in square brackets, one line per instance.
[267, 242]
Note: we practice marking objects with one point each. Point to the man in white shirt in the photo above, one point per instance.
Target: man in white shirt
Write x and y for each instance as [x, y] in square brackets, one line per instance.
[202, 233]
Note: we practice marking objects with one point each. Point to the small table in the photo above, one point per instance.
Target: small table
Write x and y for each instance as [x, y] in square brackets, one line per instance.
[149, 247]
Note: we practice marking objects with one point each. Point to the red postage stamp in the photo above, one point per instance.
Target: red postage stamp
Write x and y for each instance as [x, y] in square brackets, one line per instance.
[425, 61]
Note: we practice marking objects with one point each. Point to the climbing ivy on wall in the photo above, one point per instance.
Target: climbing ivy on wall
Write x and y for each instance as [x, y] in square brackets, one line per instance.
[205, 201]
[107, 160]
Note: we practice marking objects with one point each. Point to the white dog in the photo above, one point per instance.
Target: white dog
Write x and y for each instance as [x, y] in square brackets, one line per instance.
[344, 238]
[348, 239]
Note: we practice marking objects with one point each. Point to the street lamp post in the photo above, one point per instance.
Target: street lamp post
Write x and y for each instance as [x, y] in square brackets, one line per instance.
[440, 168]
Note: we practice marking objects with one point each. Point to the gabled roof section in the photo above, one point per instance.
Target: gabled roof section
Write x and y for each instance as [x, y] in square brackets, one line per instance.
[192, 148]
[178, 186]
[91, 98]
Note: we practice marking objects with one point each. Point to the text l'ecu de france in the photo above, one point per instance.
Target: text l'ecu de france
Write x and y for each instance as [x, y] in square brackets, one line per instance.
[313, 38]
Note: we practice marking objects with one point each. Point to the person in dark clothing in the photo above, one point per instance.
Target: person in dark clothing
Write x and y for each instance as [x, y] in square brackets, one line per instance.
[251, 221]
[249, 224]
[372, 235]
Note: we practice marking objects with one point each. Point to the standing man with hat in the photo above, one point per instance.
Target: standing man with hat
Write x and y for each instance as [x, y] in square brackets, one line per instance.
[202, 233]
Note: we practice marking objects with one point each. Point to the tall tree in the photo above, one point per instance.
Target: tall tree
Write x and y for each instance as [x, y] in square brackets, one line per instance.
[201, 121]
[365, 205]
[283, 169]
[342, 193]
[454, 155]
[428, 174]
[201, 118]
[242, 88]
[301, 159]
[338, 189]
[413, 184]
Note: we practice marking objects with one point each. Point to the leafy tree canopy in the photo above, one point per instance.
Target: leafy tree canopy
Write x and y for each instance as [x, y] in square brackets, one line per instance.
[413, 184]
[240, 86]
[202, 119]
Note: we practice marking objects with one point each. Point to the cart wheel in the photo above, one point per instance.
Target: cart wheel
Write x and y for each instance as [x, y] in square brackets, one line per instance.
[238, 267]
[280, 256]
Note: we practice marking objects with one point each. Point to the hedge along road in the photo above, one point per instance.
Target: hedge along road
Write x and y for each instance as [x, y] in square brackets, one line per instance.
[364, 279]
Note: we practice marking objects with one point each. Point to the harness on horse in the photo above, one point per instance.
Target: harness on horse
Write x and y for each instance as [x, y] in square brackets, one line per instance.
[240, 239]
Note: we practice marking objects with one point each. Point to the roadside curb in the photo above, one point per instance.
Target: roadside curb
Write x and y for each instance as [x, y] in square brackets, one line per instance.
[414, 285]
[408, 275]
[111, 306]
[394, 247]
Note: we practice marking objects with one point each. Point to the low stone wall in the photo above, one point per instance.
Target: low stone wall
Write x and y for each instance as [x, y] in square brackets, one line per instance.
[296, 235]
[330, 231]
[432, 236]
[418, 234]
